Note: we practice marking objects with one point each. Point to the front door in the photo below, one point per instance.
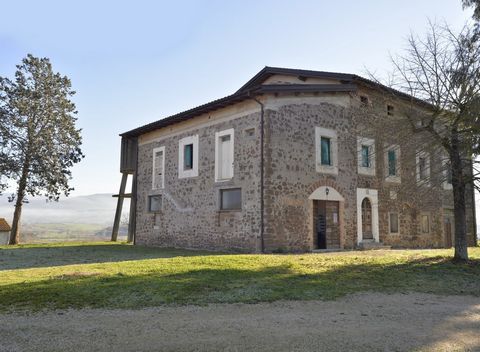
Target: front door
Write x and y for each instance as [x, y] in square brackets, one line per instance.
[327, 227]
[367, 219]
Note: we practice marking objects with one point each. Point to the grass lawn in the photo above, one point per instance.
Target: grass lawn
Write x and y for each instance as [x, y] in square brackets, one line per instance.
[110, 275]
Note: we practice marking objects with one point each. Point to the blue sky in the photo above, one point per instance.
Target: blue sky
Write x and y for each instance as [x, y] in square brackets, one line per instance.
[138, 61]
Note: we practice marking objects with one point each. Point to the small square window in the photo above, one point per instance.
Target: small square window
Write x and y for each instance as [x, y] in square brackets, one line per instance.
[250, 132]
[393, 222]
[364, 100]
[390, 110]
[425, 223]
[188, 157]
[325, 144]
[231, 199]
[154, 203]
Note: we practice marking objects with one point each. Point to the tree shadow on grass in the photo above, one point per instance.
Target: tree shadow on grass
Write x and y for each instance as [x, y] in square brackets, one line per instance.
[48, 256]
[213, 284]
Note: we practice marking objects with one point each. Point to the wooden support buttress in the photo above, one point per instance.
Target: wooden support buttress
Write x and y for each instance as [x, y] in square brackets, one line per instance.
[118, 213]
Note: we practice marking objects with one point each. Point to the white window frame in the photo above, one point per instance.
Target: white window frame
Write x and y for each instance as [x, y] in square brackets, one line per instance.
[155, 151]
[389, 223]
[397, 178]
[218, 135]
[193, 172]
[426, 156]
[445, 161]
[370, 143]
[327, 133]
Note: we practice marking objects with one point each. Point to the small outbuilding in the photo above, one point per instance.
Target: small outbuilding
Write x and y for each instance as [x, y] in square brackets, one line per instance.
[4, 231]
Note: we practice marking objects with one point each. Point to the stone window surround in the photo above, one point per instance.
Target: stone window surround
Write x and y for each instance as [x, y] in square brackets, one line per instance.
[229, 132]
[426, 156]
[398, 223]
[193, 172]
[370, 143]
[397, 178]
[332, 134]
[155, 150]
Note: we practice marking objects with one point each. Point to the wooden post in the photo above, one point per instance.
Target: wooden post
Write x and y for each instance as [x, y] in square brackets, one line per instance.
[133, 204]
[118, 212]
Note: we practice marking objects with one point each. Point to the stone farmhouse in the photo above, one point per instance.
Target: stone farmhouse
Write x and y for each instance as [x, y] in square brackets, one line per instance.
[281, 166]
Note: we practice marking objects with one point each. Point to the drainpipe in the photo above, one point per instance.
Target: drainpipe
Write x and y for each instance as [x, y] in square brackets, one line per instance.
[262, 188]
[474, 208]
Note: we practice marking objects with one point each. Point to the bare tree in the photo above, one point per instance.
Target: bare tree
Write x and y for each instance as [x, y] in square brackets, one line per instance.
[440, 73]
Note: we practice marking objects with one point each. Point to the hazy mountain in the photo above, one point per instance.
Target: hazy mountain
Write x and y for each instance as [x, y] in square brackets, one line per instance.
[91, 209]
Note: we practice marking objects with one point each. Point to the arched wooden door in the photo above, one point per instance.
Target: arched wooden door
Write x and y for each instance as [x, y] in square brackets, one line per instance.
[367, 219]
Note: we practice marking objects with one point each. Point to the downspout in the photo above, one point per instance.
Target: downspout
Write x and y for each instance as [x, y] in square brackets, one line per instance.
[262, 162]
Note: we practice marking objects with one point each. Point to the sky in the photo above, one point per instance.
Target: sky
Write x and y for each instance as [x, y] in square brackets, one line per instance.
[134, 62]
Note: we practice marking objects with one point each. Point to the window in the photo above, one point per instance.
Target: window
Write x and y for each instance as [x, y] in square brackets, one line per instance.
[366, 156]
[188, 157]
[392, 163]
[231, 199]
[447, 173]
[423, 167]
[393, 222]
[224, 153]
[364, 100]
[154, 203]
[425, 223]
[390, 110]
[326, 151]
[158, 169]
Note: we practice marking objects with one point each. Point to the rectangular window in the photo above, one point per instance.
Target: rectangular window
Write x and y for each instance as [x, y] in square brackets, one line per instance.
[188, 157]
[393, 222]
[224, 153]
[392, 163]
[154, 203]
[425, 223]
[158, 168]
[231, 199]
[422, 166]
[390, 110]
[365, 156]
[326, 158]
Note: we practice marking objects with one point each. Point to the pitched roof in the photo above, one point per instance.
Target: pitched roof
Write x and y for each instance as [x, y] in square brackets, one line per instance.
[4, 226]
[254, 86]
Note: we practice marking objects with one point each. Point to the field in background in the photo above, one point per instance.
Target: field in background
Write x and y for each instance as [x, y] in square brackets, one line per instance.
[68, 232]
[76, 275]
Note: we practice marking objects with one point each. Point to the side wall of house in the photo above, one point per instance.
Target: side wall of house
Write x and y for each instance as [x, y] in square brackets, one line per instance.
[190, 215]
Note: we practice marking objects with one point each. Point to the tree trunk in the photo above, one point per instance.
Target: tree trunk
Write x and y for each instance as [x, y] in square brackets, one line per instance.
[458, 183]
[15, 232]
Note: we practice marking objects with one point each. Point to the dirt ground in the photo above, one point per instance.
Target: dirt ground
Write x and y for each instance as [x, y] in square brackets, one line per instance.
[361, 322]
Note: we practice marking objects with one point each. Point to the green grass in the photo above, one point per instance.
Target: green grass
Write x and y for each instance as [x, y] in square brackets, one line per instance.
[76, 275]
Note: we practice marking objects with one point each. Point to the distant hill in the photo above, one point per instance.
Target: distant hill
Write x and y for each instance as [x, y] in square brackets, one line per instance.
[92, 209]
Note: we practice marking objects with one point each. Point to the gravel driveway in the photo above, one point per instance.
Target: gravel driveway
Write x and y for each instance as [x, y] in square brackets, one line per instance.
[361, 322]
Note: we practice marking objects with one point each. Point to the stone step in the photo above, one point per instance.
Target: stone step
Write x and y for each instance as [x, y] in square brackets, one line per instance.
[367, 245]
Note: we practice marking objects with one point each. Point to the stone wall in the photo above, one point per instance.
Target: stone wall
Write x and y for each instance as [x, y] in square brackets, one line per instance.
[190, 215]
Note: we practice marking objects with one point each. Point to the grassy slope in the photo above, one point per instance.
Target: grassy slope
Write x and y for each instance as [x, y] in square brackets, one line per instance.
[118, 275]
